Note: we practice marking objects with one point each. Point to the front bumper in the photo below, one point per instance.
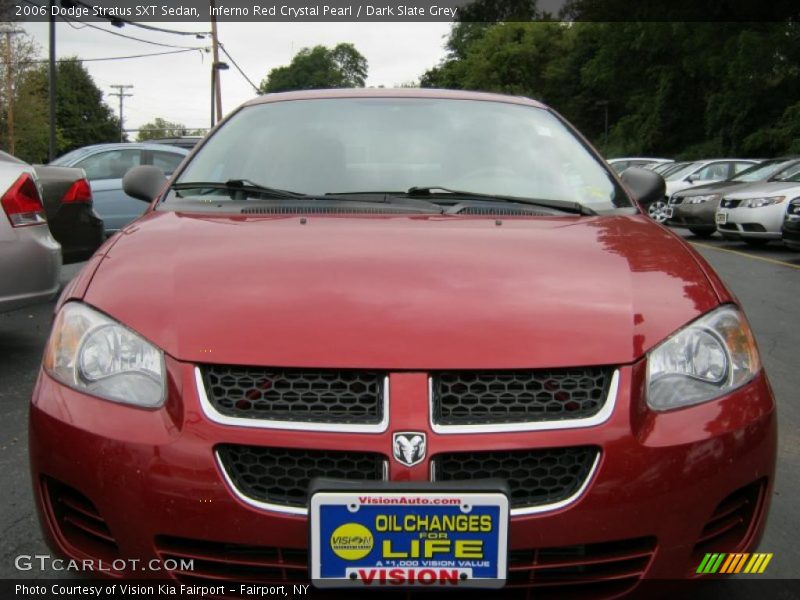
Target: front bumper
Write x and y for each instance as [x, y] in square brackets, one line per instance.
[695, 216]
[762, 223]
[152, 481]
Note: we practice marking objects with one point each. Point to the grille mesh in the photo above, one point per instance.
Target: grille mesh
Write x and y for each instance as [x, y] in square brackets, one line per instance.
[354, 397]
[535, 477]
[485, 397]
[728, 203]
[281, 475]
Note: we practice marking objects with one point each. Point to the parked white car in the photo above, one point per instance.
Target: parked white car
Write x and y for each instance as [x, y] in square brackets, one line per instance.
[755, 215]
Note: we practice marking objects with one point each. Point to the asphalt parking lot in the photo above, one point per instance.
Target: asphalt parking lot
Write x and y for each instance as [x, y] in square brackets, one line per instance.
[765, 280]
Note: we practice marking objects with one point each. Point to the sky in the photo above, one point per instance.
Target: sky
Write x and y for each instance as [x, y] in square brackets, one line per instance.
[177, 87]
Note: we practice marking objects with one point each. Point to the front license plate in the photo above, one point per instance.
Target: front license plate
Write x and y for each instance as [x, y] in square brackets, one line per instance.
[668, 212]
[388, 539]
[722, 218]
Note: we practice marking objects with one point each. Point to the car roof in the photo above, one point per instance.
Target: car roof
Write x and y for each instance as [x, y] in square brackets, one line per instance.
[128, 145]
[393, 93]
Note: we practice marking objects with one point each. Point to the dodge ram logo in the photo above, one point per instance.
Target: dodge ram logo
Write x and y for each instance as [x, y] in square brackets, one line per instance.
[409, 447]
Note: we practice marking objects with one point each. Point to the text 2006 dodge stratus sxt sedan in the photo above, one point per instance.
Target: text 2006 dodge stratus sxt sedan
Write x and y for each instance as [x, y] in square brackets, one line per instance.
[383, 338]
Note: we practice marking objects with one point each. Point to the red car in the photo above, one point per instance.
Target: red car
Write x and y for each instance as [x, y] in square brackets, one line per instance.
[392, 337]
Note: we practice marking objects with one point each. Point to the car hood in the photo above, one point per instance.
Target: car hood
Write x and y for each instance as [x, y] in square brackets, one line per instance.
[721, 187]
[401, 292]
[680, 185]
[767, 188]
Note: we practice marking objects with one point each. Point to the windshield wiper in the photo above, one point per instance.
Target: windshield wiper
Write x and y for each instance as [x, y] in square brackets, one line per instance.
[382, 197]
[243, 187]
[562, 205]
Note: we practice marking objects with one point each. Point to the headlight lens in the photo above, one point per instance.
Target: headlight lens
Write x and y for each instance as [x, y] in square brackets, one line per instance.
[793, 210]
[94, 354]
[759, 202]
[701, 199]
[706, 359]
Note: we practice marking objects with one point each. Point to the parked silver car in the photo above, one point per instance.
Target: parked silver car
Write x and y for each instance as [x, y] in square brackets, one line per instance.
[620, 164]
[755, 214]
[695, 208]
[30, 258]
[106, 164]
[693, 174]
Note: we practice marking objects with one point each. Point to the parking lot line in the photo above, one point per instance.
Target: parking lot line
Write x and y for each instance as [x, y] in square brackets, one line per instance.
[746, 255]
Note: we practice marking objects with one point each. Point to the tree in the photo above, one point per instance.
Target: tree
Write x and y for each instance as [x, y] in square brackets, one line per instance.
[23, 52]
[319, 68]
[162, 128]
[671, 88]
[82, 116]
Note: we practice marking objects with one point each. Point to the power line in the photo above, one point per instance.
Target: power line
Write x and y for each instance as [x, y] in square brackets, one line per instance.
[106, 58]
[197, 34]
[115, 19]
[238, 68]
[130, 37]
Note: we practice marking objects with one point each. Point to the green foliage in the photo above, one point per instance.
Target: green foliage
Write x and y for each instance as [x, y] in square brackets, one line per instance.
[319, 68]
[674, 89]
[160, 128]
[82, 117]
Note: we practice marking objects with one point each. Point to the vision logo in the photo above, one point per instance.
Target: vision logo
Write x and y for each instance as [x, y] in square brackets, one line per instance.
[734, 563]
[351, 541]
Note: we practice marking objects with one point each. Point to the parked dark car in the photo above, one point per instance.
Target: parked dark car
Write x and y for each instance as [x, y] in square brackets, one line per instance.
[695, 208]
[105, 165]
[67, 199]
[791, 225]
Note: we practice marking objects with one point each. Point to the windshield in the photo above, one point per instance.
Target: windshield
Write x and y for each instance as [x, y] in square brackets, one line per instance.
[790, 173]
[356, 145]
[69, 157]
[682, 172]
[762, 171]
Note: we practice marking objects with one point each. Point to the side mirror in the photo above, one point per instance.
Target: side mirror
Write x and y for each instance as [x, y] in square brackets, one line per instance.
[144, 183]
[689, 179]
[645, 186]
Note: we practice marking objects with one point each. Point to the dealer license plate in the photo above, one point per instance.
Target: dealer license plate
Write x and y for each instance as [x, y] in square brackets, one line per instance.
[398, 538]
[722, 218]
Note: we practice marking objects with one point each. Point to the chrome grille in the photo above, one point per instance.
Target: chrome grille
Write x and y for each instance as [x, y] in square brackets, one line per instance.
[310, 396]
[535, 477]
[281, 476]
[496, 397]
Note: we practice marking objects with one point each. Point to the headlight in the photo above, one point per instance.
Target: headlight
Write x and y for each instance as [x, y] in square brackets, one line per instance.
[701, 199]
[793, 210]
[94, 354]
[706, 359]
[759, 202]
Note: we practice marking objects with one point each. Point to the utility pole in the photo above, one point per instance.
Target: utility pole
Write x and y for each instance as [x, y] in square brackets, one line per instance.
[120, 93]
[51, 83]
[9, 57]
[216, 90]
